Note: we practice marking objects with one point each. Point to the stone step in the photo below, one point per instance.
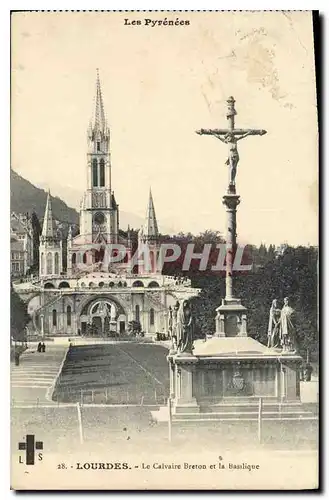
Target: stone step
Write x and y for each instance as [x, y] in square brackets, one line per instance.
[243, 415]
[238, 408]
[250, 412]
[241, 419]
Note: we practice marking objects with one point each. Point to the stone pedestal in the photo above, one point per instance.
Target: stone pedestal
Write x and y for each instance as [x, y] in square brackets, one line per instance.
[171, 377]
[42, 325]
[183, 369]
[231, 319]
[226, 374]
[113, 326]
[290, 379]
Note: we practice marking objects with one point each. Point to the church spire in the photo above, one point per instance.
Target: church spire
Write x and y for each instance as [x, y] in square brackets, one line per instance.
[48, 228]
[150, 228]
[100, 122]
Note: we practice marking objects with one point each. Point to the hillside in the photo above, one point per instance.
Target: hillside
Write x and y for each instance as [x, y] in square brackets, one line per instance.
[25, 197]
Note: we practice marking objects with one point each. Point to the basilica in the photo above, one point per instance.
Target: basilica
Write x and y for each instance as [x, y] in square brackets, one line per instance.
[93, 296]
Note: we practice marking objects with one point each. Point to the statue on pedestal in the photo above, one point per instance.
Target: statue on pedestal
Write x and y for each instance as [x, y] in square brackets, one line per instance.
[185, 328]
[170, 325]
[173, 312]
[113, 312]
[103, 314]
[174, 318]
[273, 332]
[288, 332]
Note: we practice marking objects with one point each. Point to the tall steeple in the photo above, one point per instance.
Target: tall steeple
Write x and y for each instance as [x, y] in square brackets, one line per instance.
[48, 228]
[98, 130]
[150, 229]
[99, 119]
[99, 214]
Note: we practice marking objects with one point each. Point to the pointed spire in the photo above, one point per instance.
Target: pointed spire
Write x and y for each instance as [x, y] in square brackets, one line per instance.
[48, 228]
[100, 122]
[150, 228]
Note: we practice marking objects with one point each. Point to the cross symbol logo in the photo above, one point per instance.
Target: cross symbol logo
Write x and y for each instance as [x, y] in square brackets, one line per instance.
[30, 446]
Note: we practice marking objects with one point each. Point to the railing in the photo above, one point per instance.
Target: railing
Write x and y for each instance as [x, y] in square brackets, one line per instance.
[105, 397]
[258, 434]
[94, 398]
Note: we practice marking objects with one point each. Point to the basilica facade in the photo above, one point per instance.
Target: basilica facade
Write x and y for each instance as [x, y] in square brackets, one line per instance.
[96, 295]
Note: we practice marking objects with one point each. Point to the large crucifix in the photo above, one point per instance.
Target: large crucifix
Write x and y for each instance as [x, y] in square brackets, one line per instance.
[231, 136]
[231, 306]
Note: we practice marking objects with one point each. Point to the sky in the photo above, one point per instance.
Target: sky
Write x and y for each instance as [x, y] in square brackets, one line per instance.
[159, 85]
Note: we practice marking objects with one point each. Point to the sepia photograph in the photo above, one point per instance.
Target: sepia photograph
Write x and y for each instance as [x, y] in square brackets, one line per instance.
[164, 260]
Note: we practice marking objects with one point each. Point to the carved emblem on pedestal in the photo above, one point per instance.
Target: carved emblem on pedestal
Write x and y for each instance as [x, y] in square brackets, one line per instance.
[238, 381]
[237, 384]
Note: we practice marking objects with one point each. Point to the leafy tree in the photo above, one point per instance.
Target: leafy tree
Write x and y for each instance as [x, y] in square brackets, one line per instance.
[134, 327]
[18, 316]
[193, 272]
[292, 274]
[36, 231]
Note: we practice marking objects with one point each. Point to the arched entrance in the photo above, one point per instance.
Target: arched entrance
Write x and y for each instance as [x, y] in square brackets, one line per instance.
[103, 317]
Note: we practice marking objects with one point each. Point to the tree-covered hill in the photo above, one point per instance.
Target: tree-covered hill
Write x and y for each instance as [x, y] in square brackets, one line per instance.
[26, 198]
[294, 274]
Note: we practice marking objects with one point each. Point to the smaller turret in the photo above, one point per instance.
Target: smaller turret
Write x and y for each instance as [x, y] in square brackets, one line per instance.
[50, 250]
[148, 238]
[149, 231]
[128, 236]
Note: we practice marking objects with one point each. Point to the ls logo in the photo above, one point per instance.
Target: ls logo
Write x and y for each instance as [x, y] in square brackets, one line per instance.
[30, 446]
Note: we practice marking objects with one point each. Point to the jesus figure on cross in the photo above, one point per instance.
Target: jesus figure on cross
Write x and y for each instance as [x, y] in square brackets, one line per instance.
[231, 136]
[233, 154]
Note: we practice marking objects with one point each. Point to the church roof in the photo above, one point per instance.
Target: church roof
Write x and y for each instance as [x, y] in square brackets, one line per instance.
[49, 227]
[150, 228]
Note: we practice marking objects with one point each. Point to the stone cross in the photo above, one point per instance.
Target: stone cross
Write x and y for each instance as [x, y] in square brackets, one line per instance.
[231, 136]
[231, 305]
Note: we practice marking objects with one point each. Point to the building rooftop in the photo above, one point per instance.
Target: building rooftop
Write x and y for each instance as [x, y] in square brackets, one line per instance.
[17, 245]
[16, 225]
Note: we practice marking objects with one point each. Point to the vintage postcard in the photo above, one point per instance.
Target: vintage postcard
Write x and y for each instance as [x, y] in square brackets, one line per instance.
[164, 250]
